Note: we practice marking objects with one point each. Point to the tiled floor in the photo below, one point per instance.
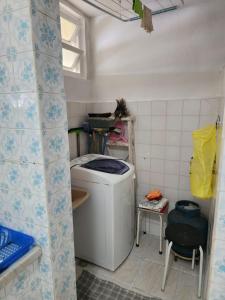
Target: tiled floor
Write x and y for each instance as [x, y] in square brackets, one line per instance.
[143, 270]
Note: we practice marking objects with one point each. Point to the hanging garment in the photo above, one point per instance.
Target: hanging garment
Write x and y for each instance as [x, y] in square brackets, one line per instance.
[202, 163]
[121, 133]
[146, 22]
[137, 8]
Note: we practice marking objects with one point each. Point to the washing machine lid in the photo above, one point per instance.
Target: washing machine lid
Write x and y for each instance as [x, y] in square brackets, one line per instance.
[107, 165]
[78, 173]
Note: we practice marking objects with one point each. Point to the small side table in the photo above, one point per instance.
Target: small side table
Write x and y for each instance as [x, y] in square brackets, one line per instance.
[162, 214]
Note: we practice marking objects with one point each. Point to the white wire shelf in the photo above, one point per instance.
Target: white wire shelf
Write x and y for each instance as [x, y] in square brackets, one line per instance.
[122, 9]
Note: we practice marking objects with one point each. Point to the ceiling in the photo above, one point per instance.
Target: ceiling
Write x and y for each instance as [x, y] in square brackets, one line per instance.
[86, 8]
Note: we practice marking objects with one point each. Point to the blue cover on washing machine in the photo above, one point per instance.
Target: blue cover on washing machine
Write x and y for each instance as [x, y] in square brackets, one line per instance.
[107, 165]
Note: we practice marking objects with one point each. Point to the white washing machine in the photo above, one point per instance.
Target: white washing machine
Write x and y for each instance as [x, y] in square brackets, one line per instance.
[104, 224]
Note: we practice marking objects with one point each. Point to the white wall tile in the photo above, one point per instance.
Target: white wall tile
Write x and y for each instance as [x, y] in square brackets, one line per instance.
[142, 164]
[185, 195]
[143, 122]
[191, 107]
[143, 137]
[186, 138]
[171, 195]
[174, 123]
[206, 120]
[139, 198]
[142, 189]
[157, 179]
[184, 168]
[158, 122]
[184, 183]
[159, 107]
[174, 107]
[186, 153]
[158, 137]
[157, 151]
[172, 167]
[190, 123]
[143, 150]
[171, 181]
[209, 106]
[144, 108]
[143, 177]
[173, 138]
[157, 165]
[172, 153]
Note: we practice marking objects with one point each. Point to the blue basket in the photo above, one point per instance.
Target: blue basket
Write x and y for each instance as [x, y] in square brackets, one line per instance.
[19, 245]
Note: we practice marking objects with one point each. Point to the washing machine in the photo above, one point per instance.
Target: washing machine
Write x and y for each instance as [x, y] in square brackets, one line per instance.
[104, 224]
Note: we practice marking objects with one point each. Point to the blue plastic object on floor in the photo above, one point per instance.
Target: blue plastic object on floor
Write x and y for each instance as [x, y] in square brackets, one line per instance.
[18, 245]
[5, 238]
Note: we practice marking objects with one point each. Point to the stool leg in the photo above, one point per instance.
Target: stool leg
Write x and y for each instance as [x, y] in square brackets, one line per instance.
[138, 227]
[167, 257]
[145, 221]
[200, 272]
[161, 234]
[193, 260]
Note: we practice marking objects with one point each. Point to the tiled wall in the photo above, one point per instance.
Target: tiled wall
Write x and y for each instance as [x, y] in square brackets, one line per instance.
[26, 286]
[163, 143]
[35, 176]
[216, 287]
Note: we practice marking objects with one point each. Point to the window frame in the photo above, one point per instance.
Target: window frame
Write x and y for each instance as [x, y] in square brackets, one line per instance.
[82, 51]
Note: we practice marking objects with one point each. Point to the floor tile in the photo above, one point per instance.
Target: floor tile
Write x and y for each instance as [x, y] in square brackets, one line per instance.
[128, 271]
[149, 249]
[150, 280]
[143, 270]
[187, 287]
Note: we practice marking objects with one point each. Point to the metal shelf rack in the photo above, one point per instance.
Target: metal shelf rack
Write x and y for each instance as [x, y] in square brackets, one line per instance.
[122, 9]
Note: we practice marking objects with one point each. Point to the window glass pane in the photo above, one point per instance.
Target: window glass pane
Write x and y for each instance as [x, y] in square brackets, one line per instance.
[71, 60]
[69, 32]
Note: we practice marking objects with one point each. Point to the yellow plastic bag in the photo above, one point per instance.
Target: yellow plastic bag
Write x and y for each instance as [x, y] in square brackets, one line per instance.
[202, 163]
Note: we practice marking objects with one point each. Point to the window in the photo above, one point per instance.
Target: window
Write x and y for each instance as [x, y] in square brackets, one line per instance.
[73, 41]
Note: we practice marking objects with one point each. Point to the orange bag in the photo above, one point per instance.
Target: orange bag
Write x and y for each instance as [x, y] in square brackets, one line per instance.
[154, 195]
